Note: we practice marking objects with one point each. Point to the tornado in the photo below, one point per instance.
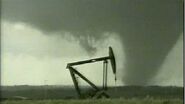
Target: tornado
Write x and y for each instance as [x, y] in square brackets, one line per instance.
[148, 29]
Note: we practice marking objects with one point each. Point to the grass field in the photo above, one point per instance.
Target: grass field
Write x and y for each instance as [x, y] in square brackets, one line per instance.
[67, 95]
[101, 101]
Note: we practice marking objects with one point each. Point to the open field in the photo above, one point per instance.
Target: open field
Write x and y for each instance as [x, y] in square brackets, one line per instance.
[62, 92]
[102, 101]
[67, 95]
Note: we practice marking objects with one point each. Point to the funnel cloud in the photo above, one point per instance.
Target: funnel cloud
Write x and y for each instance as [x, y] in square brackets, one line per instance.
[148, 29]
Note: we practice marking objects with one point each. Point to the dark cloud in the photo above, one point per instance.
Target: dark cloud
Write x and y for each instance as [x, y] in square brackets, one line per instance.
[148, 28]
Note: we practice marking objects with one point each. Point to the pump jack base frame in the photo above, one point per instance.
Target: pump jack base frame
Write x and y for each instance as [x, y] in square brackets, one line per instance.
[98, 93]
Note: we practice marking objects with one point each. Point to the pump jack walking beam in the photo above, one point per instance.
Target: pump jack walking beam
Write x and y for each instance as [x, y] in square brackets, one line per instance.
[88, 61]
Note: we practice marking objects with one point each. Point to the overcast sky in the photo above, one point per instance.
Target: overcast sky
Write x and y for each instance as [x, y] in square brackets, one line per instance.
[35, 48]
[31, 57]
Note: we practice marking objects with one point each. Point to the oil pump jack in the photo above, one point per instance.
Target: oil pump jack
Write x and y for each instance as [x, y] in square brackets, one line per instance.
[98, 93]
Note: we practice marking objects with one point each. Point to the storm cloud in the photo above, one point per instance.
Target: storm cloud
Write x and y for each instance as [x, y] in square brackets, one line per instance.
[148, 28]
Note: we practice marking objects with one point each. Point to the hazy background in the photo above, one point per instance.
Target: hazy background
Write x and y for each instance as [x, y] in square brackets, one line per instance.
[40, 37]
